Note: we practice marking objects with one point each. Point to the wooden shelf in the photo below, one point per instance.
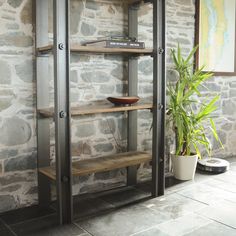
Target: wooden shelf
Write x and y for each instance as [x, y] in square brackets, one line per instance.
[45, 49]
[96, 109]
[90, 49]
[139, 2]
[99, 50]
[101, 164]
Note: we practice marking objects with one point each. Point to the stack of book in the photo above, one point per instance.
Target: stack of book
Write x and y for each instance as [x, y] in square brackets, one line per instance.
[116, 43]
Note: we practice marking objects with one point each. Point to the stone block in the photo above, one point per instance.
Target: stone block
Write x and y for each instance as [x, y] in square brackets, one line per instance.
[87, 29]
[15, 3]
[122, 88]
[5, 69]
[226, 126]
[120, 72]
[122, 128]
[25, 71]
[106, 175]
[76, 9]
[228, 107]
[107, 126]
[95, 77]
[12, 26]
[98, 186]
[146, 67]
[7, 203]
[15, 131]
[24, 162]
[11, 188]
[172, 75]
[12, 178]
[85, 130]
[92, 5]
[74, 76]
[16, 39]
[146, 89]
[5, 103]
[213, 87]
[26, 15]
[232, 84]
[32, 190]
[107, 89]
[232, 93]
[103, 147]
[222, 135]
[81, 148]
[8, 152]
[184, 2]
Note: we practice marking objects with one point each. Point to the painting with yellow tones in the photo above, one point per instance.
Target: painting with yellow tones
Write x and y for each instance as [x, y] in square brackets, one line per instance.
[216, 36]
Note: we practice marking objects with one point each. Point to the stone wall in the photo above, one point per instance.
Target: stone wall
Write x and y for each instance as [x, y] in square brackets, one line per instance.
[92, 78]
[17, 106]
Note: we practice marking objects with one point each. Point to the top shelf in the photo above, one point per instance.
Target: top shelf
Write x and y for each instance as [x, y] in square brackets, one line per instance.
[97, 50]
[134, 2]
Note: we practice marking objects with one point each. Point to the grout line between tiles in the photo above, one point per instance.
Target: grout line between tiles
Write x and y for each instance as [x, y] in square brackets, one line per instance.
[215, 220]
[193, 199]
[83, 229]
[8, 227]
[29, 220]
[142, 231]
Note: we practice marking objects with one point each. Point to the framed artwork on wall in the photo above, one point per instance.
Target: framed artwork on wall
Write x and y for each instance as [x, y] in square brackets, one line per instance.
[216, 36]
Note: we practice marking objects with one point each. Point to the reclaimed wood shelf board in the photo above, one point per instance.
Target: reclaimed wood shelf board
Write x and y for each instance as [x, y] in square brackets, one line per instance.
[101, 164]
[100, 50]
[93, 49]
[92, 109]
[140, 1]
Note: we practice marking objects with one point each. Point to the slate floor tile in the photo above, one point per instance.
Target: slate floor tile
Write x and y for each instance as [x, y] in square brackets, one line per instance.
[66, 230]
[32, 226]
[177, 185]
[207, 194]
[183, 225]
[28, 213]
[125, 197]
[229, 176]
[5, 231]
[214, 229]
[90, 207]
[233, 167]
[222, 211]
[151, 232]
[174, 205]
[123, 222]
[220, 184]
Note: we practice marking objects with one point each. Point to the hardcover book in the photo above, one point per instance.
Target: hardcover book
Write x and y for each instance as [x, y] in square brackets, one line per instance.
[116, 44]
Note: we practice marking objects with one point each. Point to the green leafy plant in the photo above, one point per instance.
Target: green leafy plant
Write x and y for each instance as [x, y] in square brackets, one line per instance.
[190, 116]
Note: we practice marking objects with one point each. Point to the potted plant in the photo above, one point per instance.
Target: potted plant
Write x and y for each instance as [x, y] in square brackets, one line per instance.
[189, 116]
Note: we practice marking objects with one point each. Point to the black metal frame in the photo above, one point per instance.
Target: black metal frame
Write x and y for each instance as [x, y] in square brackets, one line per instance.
[61, 51]
[159, 96]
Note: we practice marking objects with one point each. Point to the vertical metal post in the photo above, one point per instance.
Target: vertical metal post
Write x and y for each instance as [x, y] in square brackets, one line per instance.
[43, 131]
[62, 109]
[159, 90]
[132, 91]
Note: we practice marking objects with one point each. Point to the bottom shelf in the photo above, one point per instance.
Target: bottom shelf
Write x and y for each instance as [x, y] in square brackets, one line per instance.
[101, 164]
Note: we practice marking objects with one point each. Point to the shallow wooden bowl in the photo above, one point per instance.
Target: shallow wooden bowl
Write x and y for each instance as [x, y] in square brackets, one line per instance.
[123, 100]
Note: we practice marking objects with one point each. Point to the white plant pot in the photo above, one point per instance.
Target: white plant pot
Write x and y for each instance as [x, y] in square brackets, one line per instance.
[184, 167]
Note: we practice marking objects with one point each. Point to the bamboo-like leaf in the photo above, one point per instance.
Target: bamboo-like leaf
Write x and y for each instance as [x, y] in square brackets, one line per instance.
[188, 114]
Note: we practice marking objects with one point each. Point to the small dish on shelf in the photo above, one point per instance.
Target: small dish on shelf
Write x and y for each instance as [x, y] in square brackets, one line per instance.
[128, 100]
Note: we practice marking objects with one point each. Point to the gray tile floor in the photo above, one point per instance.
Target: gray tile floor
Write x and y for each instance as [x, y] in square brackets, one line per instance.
[205, 206]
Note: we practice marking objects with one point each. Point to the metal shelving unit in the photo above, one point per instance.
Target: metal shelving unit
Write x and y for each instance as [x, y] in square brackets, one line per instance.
[63, 171]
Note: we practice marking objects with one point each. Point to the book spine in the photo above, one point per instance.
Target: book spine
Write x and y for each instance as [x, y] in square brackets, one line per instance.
[122, 44]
